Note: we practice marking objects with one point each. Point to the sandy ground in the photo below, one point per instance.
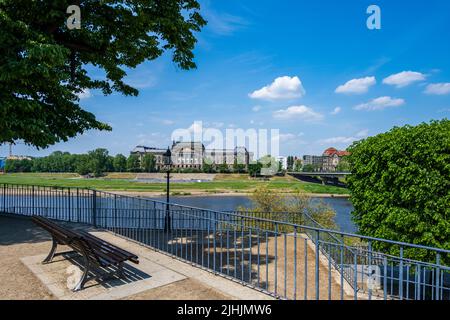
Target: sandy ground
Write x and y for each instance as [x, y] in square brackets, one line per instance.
[20, 238]
[188, 289]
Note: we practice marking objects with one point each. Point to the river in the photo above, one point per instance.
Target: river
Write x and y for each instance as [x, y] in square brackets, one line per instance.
[342, 206]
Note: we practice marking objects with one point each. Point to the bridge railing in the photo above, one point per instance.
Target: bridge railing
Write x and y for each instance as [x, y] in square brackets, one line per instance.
[286, 258]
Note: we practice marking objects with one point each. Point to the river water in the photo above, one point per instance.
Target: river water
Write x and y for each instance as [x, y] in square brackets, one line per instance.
[342, 206]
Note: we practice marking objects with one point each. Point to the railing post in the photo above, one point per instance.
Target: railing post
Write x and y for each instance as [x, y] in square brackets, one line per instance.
[438, 275]
[32, 200]
[400, 288]
[370, 269]
[317, 265]
[115, 211]
[94, 208]
[4, 197]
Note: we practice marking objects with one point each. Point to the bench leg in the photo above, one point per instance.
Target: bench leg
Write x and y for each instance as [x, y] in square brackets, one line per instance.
[83, 278]
[52, 252]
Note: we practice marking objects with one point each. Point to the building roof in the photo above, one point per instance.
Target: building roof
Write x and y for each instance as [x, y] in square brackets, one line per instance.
[333, 151]
[144, 149]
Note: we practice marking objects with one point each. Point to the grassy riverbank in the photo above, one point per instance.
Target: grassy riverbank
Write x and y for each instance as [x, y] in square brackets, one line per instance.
[233, 183]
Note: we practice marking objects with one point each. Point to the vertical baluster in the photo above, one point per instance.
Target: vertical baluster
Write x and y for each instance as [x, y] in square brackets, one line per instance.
[438, 261]
[305, 297]
[400, 289]
[369, 245]
[295, 262]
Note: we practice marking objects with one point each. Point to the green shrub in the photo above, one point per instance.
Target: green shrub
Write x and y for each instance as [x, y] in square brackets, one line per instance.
[400, 186]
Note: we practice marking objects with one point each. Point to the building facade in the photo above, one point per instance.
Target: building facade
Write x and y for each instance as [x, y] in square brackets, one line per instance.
[159, 154]
[193, 155]
[316, 161]
[331, 159]
[328, 161]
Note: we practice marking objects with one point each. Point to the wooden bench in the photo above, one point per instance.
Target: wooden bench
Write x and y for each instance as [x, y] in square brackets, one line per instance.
[94, 251]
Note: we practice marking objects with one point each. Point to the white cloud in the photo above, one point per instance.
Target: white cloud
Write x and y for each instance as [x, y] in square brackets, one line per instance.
[287, 137]
[281, 88]
[380, 104]
[363, 133]
[298, 112]
[345, 140]
[357, 86]
[438, 88]
[404, 78]
[85, 94]
[256, 108]
[336, 140]
[223, 24]
[336, 110]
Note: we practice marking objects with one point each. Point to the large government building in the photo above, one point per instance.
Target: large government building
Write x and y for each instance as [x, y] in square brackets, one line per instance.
[194, 155]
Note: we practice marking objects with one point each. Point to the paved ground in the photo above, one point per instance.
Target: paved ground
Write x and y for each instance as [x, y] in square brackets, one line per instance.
[21, 242]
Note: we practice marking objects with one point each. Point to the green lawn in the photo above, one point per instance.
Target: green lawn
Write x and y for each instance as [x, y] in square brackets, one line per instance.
[222, 183]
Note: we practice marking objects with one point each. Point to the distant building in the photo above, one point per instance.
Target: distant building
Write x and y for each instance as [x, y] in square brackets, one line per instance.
[194, 155]
[141, 151]
[316, 161]
[331, 159]
[328, 161]
[188, 154]
[18, 158]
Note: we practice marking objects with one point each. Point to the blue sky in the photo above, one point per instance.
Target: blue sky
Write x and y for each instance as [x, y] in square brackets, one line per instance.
[401, 75]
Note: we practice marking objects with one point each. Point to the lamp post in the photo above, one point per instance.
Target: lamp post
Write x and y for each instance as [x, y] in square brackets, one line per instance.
[168, 164]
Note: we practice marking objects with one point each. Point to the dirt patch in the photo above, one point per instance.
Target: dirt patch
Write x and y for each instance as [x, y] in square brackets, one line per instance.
[19, 238]
[188, 289]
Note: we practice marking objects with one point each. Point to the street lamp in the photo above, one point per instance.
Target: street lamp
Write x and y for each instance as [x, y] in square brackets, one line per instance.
[168, 165]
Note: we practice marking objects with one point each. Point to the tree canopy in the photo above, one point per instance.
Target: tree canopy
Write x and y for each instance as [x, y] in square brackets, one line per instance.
[400, 185]
[43, 64]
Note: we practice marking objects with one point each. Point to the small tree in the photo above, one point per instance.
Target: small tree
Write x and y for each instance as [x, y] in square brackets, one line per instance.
[120, 163]
[254, 169]
[133, 163]
[343, 166]
[298, 165]
[238, 167]
[149, 163]
[266, 201]
[98, 161]
[82, 166]
[208, 167]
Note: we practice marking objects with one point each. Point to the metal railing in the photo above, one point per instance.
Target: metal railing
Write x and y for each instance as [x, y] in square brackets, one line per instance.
[289, 257]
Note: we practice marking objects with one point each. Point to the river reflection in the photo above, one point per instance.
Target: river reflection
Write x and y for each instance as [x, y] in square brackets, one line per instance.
[342, 206]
